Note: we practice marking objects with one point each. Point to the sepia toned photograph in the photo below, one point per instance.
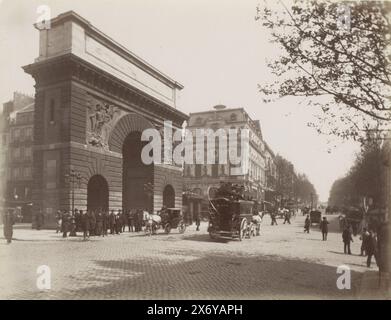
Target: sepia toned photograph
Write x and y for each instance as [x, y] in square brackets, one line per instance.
[213, 151]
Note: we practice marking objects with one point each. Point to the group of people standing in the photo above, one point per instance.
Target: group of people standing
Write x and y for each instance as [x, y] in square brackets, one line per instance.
[285, 213]
[323, 226]
[372, 240]
[98, 222]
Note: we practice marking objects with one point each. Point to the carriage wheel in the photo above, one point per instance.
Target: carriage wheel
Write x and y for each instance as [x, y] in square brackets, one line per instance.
[181, 227]
[167, 228]
[243, 229]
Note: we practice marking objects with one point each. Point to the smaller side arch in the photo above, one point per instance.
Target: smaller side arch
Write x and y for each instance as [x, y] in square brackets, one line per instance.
[169, 196]
[97, 193]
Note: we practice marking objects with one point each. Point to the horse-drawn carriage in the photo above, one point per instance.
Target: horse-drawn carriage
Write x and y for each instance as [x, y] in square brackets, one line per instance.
[167, 219]
[234, 219]
[232, 216]
[315, 216]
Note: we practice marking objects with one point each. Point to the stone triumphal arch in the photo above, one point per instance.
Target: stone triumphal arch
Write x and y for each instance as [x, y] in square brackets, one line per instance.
[93, 99]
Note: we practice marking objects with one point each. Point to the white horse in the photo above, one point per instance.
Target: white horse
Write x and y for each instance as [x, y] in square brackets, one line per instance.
[151, 221]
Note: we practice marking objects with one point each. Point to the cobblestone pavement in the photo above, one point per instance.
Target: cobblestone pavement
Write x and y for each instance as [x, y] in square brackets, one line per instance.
[282, 262]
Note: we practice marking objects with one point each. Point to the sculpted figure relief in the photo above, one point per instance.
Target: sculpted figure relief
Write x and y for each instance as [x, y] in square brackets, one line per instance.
[100, 117]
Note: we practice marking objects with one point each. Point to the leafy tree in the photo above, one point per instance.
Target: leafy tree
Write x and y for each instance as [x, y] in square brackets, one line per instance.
[290, 185]
[303, 189]
[364, 179]
[337, 55]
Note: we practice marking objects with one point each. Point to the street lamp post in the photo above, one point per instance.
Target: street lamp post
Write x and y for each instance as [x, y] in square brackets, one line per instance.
[74, 178]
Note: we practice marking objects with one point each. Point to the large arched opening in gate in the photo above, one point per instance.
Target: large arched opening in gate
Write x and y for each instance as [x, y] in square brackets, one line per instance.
[97, 193]
[136, 175]
[169, 196]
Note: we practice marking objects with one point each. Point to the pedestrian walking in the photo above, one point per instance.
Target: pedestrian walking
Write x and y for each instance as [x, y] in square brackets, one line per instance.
[85, 224]
[8, 225]
[307, 224]
[39, 219]
[92, 222]
[118, 222]
[78, 220]
[112, 222]
[105, 223]
[99, 223]
[65, 223]
[371, 248]
[287, 217]
[364, 241]
[131, 220]
[347, 239]
[198, 220]
[58, 221]
[125, 220]
[324, 227]
[139, 218]
[273, 217]
[72, 224]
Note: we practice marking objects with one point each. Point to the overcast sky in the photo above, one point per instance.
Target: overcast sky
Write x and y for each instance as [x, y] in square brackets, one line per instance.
[216, 49]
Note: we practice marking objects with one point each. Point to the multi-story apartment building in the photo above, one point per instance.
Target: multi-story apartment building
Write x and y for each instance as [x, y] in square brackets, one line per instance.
[16, 158]
[257, 162]
[271, 174]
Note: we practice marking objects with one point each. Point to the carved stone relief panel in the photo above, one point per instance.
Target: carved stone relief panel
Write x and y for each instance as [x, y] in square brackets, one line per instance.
[101, 118]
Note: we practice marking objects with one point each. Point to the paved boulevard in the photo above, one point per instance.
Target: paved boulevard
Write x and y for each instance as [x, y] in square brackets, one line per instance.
[281, 263]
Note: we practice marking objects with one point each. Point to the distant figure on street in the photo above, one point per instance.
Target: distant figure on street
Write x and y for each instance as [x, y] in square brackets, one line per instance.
[112, 222]
[39, 219]
[78, 220]
[65, 223]
[8, 225]
[364, 241]
[347, 239]
[130, 220]
[72, 223]
[198, 220]
[125, 220]
[99, 223]
[371, 248]
[105, 223]
[85, 224]
[324, 228]
[307, 224]
[287, 217]
[92, 218]
[273, 217]
[118, 222]
[58, 221]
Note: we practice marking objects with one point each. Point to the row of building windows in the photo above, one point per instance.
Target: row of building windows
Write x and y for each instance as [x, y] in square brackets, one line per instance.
[233, 117]
[19, 193]
[24, 118]
[215, 170]
[19, 173]
[20, 153]
[19, 134]
[256, 172]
